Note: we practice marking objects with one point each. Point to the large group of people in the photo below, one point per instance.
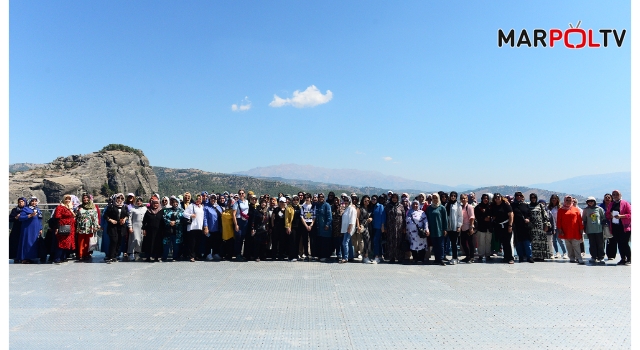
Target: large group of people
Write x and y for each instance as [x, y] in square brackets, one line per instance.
[389, 227]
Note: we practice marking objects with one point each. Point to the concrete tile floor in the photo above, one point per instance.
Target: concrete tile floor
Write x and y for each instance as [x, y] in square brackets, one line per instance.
[276, 305]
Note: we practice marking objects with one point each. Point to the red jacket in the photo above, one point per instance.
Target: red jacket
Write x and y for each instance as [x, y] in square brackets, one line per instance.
[570, 222]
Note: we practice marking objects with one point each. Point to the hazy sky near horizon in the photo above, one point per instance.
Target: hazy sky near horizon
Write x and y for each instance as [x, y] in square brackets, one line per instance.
[417, 89]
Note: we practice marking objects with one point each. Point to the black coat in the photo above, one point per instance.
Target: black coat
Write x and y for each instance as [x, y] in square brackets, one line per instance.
[521, 231]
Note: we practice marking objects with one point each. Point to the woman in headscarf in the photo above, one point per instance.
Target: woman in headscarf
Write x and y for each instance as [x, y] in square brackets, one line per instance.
[258, 219]
[116, 215]
[152, 231]
[227, 248]
[134, 224]
[454, 225]
[65, 230]
[570, 228]
[483, 218]
[502, 218]
[172, 234]
[396, 228]
[195, 213]
[417, 219]
[16, 227]
[87, 226]
[31, 229]
[538, 227]
[437, 221]
[619, 215]
[165, 203]
[592, 219]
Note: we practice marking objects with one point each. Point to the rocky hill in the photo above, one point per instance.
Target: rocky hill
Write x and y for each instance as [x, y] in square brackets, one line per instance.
[13, 168]
[113, 169]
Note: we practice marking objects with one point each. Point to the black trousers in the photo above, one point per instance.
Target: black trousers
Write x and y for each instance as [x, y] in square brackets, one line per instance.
[114, 243]
[227, 248]
[278, 243]
[466, 242]
[418, 255]
[612, 248]
[190, 243]
[622, 237]
[505, 239]
[453, 237]
[216, 242]
[302, 236]
[596, 245]
[314, 243]
[292, 243]
[324, 247]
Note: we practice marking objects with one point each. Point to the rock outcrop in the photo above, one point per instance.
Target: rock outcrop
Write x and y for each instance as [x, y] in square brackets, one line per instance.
[99, 173]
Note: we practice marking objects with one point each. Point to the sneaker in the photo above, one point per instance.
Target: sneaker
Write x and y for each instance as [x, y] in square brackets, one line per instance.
[564, 256]
[340, 261]
[359, 256]
[114, 260]
[580, 261]
[323, 259]
[376, 261]
[209, 257]
[216, 257]
[530, 260]
[108, 261]
[293, 260]
[628, 263]
[366, 261]
[511, 262]
[258, 260]
[452, 262]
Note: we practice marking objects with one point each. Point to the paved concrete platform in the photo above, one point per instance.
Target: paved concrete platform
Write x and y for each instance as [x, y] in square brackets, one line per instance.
[276, 305]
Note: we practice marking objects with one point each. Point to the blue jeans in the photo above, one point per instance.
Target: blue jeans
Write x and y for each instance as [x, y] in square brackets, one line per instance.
[377, 242]
[524, 250]
[438, 248]
[447, 245]
[559, 242]
[171, 241]
[239, 236]
[347, 247]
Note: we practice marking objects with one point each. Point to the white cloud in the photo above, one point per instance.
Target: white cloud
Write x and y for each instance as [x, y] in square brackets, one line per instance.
[245, 105]
[386, 159]
[358, 152]
[310, 97]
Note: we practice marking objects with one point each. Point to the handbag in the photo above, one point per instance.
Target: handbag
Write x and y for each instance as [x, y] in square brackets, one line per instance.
[421, 231]
[64, 229]
[93, 243]
[606, 232]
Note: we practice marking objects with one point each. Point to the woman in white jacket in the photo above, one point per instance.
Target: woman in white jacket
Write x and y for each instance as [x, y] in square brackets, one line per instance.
[454, 224]
[195, 212]
[136, 214]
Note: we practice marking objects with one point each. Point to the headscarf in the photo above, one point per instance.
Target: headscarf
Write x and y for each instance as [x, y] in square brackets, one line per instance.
[135, 200]
[155, 210]
[564, 200]
[614, 191]
[89, 204]
[24, 200]
[168, 202]
[435, 200]
[115, 202]
[28, 204]
[75, 202]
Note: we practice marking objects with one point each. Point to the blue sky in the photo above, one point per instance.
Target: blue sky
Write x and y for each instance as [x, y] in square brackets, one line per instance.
[418, 89]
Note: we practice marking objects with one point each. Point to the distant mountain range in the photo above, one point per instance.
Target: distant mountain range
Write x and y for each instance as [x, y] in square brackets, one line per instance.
[593, 185]
[14, 168]
[352, 177]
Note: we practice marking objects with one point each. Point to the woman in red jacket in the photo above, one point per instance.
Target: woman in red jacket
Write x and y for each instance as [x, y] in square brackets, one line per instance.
[65, 229]
[570, 228]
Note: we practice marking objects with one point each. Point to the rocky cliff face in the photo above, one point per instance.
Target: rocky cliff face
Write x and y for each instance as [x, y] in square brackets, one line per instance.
[98, 173]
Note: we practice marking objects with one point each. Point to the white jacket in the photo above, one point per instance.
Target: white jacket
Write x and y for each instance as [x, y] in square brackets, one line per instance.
[349, 218]
[454, 217]
[197, 223]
